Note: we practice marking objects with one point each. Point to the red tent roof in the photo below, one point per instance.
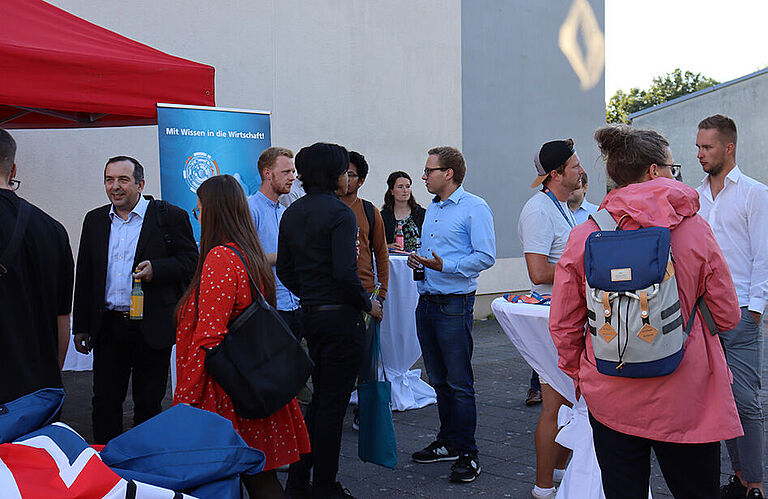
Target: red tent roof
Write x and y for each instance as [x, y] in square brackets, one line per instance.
[61, 71]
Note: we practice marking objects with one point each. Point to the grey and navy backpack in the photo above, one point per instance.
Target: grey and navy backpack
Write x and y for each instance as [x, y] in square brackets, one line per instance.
[635, 322]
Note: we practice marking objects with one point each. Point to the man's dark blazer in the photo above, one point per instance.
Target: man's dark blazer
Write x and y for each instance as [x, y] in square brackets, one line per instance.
[171, 271]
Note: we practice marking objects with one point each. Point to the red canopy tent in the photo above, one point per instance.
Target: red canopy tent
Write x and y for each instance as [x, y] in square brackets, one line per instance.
[60, 71]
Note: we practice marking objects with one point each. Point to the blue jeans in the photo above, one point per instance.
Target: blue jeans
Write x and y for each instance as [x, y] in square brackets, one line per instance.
[743, 352]
[444, 328]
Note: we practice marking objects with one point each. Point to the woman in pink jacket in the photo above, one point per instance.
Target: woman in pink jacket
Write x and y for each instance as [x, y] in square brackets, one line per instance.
[681, 416]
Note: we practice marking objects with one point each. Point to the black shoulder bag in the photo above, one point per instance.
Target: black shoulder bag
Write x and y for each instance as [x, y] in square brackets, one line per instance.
[259, 363]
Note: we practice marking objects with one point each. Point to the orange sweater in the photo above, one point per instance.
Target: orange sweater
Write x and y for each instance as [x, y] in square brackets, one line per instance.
[380, 251]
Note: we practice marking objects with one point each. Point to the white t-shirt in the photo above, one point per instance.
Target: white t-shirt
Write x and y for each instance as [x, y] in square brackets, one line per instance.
[544, 230]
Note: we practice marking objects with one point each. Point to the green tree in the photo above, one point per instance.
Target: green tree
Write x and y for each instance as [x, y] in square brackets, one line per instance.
[664, 88]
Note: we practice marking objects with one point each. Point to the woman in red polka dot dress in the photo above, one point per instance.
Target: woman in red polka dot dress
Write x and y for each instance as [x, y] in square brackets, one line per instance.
[219, 291]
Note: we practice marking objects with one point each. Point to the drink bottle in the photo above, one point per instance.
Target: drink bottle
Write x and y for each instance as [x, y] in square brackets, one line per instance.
[399, 237]
[418, 274]
[374, 295]
[137, 301]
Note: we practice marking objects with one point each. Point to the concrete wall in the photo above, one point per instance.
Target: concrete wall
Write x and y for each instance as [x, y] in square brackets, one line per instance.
[383, 78]
[519, 91]
[743, 101]
[389, 79]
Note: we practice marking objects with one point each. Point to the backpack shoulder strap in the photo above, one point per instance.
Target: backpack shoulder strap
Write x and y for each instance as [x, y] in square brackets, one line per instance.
[371, 216]
[604, 220]
[18, 232]
[706, 317]
[161, 212]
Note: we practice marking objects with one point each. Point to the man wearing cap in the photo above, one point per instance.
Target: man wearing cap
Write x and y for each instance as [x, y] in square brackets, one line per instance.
[544, 225]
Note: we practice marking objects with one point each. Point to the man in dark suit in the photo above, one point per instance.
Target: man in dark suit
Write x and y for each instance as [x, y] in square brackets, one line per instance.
[133, 237]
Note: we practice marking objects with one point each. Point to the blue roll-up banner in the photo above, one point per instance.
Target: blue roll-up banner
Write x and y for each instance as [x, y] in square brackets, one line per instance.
[198, 142]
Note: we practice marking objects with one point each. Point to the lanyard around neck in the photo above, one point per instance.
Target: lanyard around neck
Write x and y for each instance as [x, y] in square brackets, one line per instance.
[548, 192]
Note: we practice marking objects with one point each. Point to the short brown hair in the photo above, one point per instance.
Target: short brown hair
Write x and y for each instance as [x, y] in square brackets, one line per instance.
[723, 124]
[450, 157]
[270, 155]
[7, 153]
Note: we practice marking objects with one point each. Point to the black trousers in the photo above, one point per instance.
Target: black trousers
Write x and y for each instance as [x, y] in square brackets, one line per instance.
[120, 353]
[335, 340]
[293, 319]
[690, 470]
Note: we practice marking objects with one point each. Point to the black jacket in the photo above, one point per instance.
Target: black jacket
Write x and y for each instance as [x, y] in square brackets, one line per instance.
[172, 267]
[317, 254]
[390, 225]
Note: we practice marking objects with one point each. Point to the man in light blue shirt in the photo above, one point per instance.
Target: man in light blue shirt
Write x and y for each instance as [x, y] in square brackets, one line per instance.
[578, 204]
[457, 243]
[277, 174]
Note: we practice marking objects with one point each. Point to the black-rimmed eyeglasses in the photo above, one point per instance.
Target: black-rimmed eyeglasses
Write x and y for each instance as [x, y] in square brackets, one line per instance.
[427, 171]
[674, 168]
[196, 213]
[14, 184]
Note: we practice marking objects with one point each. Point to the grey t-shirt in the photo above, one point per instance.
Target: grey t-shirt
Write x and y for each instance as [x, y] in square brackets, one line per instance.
[544, 230]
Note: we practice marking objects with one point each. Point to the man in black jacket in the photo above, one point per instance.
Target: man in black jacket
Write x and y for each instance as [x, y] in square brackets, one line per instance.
[36, 273]
[133, 237]
[317, 260]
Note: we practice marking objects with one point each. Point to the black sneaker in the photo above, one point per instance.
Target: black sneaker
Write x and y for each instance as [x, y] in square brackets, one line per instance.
[434, 452]
[303, 491]
[754, 494]
[335, 492]
[733, 489]
[466, 468]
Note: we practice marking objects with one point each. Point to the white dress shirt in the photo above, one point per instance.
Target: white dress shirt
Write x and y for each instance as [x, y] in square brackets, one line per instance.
[123, 239]
[739, 220]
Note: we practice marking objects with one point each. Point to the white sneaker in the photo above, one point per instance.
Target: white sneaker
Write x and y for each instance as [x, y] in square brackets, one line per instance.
[548, 493]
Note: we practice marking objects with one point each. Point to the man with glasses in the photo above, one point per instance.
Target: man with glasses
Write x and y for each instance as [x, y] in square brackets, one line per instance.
[457, 243]
[133, 237]
[371, 238]
[736, 207]
[36, 274]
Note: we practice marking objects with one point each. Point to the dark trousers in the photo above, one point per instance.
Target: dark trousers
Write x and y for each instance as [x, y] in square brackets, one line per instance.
[444, 328]
[335, 340]
[690, 470]
[119, 354]
[293, 319]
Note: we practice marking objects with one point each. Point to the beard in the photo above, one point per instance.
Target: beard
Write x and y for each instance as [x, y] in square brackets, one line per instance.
[281, 189]
[714, 167]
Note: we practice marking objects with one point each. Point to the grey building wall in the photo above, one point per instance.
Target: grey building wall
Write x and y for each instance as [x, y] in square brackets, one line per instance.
[519, 90]
[383, 78]
[743, 99]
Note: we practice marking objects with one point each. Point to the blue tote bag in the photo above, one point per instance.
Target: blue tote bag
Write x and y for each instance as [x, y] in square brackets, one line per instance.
[376, 441]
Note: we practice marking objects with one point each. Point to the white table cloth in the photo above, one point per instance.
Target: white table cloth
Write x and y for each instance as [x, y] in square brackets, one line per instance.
[527, 327]
[400, 347]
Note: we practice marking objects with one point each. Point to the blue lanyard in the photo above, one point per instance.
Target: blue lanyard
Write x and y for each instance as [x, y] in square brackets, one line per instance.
[551, 195]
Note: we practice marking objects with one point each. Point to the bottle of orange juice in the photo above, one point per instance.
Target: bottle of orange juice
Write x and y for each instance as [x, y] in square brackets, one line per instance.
[137, 301]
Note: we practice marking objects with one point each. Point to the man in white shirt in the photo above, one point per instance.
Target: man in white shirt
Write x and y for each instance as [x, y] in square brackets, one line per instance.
[736, 207]
[578, 204]
[544, 225]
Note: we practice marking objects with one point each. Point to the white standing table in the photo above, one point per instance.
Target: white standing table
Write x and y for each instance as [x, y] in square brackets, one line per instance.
[400, 347]
[527, 327]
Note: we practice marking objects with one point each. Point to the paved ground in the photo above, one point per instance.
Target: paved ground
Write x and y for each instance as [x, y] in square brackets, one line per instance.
[504, 433]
